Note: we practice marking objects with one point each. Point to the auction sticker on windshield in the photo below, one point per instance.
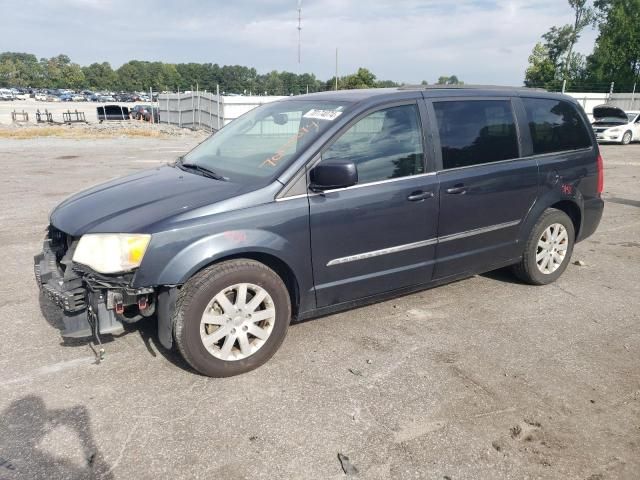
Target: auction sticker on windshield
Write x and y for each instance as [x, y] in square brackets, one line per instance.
[322, 114]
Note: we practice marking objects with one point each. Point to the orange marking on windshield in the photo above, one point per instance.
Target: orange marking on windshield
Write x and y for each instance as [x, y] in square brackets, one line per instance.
[276, 157]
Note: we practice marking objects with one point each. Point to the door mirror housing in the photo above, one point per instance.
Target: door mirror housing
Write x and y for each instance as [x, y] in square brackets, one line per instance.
[333, 174]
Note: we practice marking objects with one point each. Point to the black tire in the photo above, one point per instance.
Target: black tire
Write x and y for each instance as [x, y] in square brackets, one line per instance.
[527, 269]
[194, 297]
[626, 138]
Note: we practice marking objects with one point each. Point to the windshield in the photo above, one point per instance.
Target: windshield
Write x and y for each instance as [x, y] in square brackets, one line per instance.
[259, 144]
[632, 116]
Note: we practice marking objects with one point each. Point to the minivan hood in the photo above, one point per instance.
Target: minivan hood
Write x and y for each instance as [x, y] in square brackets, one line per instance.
[133, 203]
[609, 111]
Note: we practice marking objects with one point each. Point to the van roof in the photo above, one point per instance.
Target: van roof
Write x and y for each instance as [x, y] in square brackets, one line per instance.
[432, 91]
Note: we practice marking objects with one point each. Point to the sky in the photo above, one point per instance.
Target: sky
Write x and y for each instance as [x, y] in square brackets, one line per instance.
[480, 41]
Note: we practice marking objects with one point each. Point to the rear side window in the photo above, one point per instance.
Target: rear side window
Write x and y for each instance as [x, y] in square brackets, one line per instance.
[474, 132]
[555, 126]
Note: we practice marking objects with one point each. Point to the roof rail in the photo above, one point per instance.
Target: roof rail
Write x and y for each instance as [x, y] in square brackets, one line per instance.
[465, 86]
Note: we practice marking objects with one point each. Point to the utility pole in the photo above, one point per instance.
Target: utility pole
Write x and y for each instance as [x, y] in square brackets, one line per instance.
[299, 28]
[336, 68]
[613, 84]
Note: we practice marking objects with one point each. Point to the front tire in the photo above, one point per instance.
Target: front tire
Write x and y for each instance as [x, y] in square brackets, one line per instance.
[548, 249]
[626, 138]
[231, 318]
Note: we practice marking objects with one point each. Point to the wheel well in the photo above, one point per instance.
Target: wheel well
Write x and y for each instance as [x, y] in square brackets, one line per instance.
[572, 210]
[281, 268]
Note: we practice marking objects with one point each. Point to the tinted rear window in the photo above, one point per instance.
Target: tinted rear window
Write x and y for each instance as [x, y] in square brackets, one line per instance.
[555, 126]
[476, 131]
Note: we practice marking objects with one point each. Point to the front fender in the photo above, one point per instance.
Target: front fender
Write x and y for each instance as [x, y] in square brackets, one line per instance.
[195, 256]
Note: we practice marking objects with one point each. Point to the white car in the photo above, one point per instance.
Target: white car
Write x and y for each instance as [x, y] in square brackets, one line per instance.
[6, 94]
[42, 97]
[612, 124]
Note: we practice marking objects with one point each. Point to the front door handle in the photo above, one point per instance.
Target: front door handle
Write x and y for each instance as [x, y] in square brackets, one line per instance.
[419, 195]
[458, 189]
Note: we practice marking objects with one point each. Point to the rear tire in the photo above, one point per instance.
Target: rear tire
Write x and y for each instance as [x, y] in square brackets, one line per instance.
[626, 138]
[548, 249]
[218, 330]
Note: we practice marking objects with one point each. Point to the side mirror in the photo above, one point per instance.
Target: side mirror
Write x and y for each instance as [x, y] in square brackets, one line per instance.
[333, 174]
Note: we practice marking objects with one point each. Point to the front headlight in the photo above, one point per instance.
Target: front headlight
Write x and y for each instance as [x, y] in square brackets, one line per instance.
[613, 130]
[111, 252]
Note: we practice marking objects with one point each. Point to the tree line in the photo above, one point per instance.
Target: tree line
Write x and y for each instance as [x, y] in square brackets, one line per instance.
[25, 70]
[615, 57]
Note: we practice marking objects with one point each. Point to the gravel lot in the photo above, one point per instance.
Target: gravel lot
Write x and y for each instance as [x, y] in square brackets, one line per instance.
[483, 378]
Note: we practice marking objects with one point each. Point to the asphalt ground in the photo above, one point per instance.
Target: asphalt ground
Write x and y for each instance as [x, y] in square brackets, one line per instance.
[483, 378]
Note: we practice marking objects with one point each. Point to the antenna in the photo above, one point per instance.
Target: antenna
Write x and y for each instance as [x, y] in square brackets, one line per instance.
[299, 27]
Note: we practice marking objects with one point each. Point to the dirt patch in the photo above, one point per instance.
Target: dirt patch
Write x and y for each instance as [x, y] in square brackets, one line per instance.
[97, 130]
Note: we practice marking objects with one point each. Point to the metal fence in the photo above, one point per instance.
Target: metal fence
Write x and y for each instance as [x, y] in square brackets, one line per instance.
[589, 100]
[205, 110]
[211, 111]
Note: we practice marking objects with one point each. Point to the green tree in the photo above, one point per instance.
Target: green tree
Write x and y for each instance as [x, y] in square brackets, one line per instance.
[100, 76]
[583, 16]
[19, 70]
[56, 69]
[541, 71]
[554, 60]
[616, 56]
[452, 80]
[363, 78]
[386, 84]
[72, 76]
[7, 72]
[23, 69]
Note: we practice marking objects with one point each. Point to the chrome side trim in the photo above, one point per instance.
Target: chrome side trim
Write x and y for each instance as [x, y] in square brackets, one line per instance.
[359, 185]
[292, 197]
[423, 243]
[384, 251]
[478, 231]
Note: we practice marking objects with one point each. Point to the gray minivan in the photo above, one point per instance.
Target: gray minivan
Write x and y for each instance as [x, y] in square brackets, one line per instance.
[320, 203]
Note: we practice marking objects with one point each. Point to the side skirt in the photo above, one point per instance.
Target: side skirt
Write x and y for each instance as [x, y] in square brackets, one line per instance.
[362, 302]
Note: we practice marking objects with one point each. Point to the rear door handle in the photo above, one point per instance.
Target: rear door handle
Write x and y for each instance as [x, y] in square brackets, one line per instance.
[419, 195]
[457, 190]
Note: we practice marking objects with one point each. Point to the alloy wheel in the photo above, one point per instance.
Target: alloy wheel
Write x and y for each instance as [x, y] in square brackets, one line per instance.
[237, 322]
[552, 248]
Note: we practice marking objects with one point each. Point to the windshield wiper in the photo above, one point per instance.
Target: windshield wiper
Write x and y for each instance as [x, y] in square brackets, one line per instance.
[204, 171]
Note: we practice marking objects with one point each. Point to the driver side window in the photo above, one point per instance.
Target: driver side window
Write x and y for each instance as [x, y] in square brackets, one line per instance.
[383, 145]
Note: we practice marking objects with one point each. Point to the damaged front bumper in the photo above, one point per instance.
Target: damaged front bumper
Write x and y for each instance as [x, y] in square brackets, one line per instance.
[91, 303]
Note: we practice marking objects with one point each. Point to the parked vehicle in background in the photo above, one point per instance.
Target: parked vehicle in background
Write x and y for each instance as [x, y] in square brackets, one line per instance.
[612, 124]
[6, 94]
[20, 94]
[322, 202]
[112, 112]
[41, 96]
[145, 112]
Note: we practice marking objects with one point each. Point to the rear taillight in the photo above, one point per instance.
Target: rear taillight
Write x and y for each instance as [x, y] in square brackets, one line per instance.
[600, 174]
